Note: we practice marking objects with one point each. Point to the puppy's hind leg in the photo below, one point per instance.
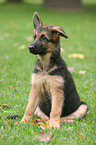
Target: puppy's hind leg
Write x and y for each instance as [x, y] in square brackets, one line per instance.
[41, 114]
[78, 114]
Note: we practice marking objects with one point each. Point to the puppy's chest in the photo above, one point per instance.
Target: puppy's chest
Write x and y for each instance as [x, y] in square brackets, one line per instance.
[46, 83]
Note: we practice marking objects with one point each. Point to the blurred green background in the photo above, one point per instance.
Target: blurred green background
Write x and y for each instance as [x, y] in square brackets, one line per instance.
[41, 1]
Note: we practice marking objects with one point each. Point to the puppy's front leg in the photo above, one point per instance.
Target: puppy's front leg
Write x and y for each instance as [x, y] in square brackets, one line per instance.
[57, 102]
[33, 102]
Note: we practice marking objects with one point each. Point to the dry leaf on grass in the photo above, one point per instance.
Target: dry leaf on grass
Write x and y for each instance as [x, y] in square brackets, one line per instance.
[45, 137]
[47, 122]
[42, 124]
[82, 72]
[13, 25]
[7, 34]
[22, 47]
[6, 57]
[62, 50]
[4, 68]
[91, 87]
[12, 86]
[16, 123]
[4, 106]
[1, 38]
[76, 55]
[71, 69]
[29, 38]
[81, 135]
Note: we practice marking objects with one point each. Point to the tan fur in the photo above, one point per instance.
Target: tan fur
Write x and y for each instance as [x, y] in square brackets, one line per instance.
[54, 86]
[45, 59]
[56, 37]
[59, 30]
[57, 102]
[79, 113]
[33, 102]
[41, 114]
[50, 47]
[50, 82]
[52, 69]
[42, 33]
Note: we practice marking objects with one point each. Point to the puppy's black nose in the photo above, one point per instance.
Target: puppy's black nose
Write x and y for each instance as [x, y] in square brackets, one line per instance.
[31, 47]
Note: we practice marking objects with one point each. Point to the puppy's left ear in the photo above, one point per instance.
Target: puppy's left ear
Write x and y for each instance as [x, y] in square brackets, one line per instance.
[58, 30]
[36, 20]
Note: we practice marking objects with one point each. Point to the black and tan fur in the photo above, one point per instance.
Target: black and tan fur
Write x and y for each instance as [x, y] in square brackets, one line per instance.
[53, 93]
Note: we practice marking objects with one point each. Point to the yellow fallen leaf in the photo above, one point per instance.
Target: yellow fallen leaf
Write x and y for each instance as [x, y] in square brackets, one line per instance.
[47, 122]
[31, 121]
[4, 68]
[76, 55]
[42, 124]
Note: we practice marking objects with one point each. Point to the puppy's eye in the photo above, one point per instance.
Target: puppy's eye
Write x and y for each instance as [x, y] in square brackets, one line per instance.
[43, 37]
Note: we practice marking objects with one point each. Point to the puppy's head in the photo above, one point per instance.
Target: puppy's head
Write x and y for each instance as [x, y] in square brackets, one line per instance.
[45, 37]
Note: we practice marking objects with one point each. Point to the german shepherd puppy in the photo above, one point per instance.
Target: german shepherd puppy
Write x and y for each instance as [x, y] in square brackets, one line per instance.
[53, 91]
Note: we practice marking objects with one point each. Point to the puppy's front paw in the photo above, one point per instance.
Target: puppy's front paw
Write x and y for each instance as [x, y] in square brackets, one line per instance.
[22, 121]
[54, 125]
[25, 118]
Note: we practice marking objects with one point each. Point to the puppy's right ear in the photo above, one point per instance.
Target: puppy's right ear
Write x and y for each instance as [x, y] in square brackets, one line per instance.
[36, 20]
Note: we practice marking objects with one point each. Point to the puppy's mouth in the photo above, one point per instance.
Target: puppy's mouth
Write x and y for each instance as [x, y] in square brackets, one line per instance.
[36, 52]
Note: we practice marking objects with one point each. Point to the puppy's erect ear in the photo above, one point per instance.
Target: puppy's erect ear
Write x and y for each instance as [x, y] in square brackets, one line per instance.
[58, 30]
[36, 20]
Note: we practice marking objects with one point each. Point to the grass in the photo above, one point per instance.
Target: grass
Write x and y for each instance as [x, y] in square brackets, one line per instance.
[16, 65]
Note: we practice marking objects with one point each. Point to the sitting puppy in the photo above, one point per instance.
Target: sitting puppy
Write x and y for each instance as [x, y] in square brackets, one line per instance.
[53, 91]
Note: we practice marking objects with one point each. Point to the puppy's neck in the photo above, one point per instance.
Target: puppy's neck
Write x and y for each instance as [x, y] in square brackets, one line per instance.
[45, 59]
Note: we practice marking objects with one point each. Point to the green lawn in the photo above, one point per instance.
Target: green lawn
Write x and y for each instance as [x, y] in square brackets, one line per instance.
[17, 64]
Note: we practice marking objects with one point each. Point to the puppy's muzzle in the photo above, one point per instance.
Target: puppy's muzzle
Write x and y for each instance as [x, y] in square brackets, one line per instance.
[31, 48]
